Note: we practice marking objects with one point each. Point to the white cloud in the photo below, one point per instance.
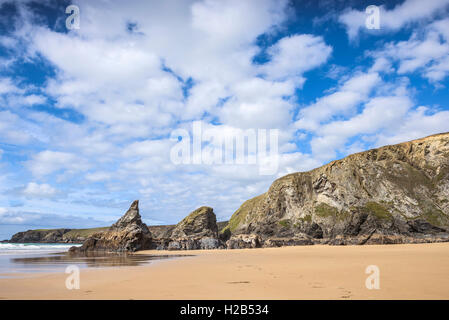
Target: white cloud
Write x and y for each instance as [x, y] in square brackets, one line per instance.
[33, 189]
[26, 100]
[15, 130]
[98, 176]
[378, 113]
[7, 86]
[292, 56]
[343, 101]
[48, 161]
[8, 217]
[426, 51]
[421, 122]
[401, 15]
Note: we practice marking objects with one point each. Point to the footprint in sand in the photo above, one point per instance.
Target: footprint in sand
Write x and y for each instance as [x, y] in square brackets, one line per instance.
[317, 285]
[346, 293]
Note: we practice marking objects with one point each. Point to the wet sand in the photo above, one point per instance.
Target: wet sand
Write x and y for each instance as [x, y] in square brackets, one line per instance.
[412, 271]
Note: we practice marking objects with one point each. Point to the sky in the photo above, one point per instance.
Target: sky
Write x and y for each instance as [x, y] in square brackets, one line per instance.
[89, 116]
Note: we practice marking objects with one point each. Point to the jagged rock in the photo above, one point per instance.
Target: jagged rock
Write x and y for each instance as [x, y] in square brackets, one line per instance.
[243, 241]
[393, 194]
[196, 231]
[129, 233]
[199, 223]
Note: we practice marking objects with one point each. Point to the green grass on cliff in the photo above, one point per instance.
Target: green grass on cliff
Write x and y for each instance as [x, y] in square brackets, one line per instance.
[83, 232]
[285, 223]
[436, 217]
[240, 215]
[377, 210]
[324, 210]
[190, 218]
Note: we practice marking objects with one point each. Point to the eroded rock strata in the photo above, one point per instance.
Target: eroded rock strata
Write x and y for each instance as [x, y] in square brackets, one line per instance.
[393, 194]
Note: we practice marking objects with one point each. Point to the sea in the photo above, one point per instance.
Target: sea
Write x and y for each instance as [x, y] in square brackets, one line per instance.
[17, 259]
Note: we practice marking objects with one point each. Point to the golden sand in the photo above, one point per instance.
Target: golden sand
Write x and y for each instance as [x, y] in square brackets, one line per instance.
[412, 271]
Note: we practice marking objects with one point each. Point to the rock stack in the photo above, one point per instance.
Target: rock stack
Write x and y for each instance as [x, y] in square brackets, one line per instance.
[196, 231]
[128, 234]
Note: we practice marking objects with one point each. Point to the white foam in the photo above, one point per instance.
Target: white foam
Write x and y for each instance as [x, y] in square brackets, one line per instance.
[15, 248]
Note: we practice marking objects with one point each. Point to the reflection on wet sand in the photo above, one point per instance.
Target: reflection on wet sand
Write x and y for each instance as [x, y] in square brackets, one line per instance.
[91, 259]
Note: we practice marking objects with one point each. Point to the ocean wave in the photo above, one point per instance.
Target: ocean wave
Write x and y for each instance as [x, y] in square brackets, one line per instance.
[10, 248]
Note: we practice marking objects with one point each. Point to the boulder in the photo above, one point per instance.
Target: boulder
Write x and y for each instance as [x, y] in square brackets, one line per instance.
[243, 241]
[282, 242]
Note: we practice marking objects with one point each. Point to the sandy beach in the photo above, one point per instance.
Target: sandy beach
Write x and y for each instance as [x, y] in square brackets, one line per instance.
[413, 271]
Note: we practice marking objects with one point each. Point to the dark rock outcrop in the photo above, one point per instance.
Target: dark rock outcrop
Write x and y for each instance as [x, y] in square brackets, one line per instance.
[198, 230]
[128, 234]
[54, 235]
[42, 236]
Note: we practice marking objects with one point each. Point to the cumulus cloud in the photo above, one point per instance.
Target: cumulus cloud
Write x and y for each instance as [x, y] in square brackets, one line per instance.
[410, 11]
[421, 122]
[46, 162]
[378, 113]
[292, 56]
[426, 51]
[44, 190]
[342, 101]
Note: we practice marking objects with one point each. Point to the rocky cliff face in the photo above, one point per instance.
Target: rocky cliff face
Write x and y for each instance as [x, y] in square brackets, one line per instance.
[43, 236]
[393, 194]
[54, 235]
[129, 233]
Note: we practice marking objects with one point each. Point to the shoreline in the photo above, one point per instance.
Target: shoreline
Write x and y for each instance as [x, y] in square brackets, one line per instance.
[412, 271]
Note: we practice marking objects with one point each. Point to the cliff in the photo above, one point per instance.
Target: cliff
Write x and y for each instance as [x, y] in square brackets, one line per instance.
[393, 194]
[54, 235]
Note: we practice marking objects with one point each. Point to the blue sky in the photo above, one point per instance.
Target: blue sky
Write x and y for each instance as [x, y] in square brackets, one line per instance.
[86, 115]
